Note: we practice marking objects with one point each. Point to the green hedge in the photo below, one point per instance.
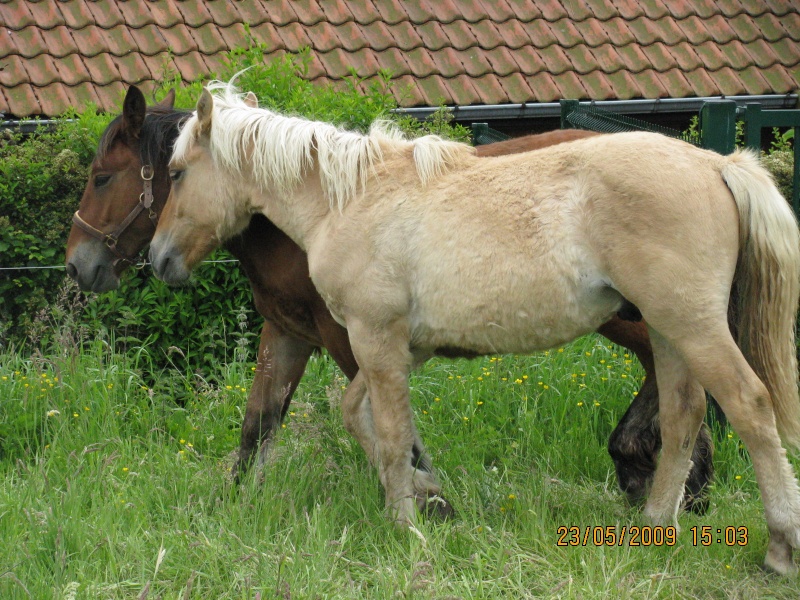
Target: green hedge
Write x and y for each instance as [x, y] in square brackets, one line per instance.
[42, 177]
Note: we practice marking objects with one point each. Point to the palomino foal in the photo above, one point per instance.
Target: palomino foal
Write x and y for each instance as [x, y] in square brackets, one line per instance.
[396, 230]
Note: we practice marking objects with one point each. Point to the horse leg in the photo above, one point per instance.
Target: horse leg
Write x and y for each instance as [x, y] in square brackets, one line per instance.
[682, 405]
[636, 441]
[358, 421]
[280, 365]
[385, 360]
[723, 371]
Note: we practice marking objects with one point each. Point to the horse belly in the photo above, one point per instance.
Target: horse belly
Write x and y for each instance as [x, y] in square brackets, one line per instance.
[518, 310]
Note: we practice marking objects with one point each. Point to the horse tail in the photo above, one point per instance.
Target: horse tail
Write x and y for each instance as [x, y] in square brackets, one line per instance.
[767, 286]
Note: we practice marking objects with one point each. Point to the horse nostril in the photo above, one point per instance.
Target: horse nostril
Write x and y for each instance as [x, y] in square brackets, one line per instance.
[72, 270]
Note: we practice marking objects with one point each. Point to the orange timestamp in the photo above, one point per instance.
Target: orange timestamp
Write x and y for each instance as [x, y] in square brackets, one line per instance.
[613, 535]
[728, 536]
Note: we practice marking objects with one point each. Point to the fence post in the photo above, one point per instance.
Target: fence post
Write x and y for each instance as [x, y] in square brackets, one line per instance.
[567, 108]
[479, 131]
[753, 124]
[718, 126]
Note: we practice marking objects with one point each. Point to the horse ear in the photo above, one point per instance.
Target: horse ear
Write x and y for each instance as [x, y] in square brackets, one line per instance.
[169, 100]
[205, 105]
[251, 100]
[133, 111]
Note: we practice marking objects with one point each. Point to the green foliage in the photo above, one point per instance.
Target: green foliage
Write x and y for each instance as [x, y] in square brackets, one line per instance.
[41, 180]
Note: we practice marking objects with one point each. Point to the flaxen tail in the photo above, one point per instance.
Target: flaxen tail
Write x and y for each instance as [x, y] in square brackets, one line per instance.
[768, 285]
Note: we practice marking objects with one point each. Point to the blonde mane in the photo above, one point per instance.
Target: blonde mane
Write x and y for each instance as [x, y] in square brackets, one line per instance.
[282, 149]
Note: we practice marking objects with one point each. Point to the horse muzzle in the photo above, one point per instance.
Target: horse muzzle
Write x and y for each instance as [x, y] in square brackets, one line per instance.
[92, 268]
[167, 261]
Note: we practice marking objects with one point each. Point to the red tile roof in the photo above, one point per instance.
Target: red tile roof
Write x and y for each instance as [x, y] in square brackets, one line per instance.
[54, 55]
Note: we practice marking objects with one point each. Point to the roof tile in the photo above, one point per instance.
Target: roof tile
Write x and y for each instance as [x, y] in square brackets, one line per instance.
[409, 93]
[462, 50]
[29, 41]
[771, 27]
[602, 9]
[166, 14]
[294, 36]
[73, 70]
[223, 14]
[582, 59]
[686, 56]
[394, 61]
[517, 88]
[52, 97]
[336, 11]
[499, 11]
[178, 39]
[566, 33]
[102, 70]
[701, 83]
[364, 12]
[351, 36]
[254, 12]
[787, 50]
[46, 14]
[530, 60]
[486, 34]
[448, 62]
[555, 59]
[460, 35]
[22, 100]
[597, 86]
[592, 32]
[514, 35]
[544, 88]
[406, 36]
[16, 16]
[464, 91]
[781, 80]
[309, 12]
[421, 63]
[502, 62]
[42, 70]
[136, 14]
[745, 28]
[208, 38]
[552, 10]
[266, 33]
[76, 15]
[82, 95]
[490, 89]
[654, 9]
[540, 33]
[618, 32]
[106, 13]
[149, 40]
[434, 91]
[194, 13]
[629, 9]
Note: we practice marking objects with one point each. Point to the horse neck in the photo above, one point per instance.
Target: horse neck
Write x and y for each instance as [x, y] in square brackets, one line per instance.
[300, 213]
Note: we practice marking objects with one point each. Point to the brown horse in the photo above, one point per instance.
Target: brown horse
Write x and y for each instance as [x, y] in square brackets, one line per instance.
[128, 187]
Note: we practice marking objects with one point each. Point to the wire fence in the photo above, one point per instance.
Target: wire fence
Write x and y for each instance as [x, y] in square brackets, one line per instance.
[145, 264]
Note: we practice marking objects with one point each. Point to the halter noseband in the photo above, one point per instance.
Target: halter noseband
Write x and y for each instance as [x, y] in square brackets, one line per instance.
[111, 239]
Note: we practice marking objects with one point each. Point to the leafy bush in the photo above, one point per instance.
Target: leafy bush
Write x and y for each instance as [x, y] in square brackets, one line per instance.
[42, 177]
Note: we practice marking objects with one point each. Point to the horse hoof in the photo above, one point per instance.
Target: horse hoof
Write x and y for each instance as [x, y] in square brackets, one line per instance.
[435, 507]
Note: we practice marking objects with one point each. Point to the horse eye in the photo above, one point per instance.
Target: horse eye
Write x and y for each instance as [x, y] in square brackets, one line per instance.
[175, 174]
[101, 180]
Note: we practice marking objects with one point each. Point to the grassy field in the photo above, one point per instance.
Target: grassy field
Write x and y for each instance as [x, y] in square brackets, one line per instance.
[109, 488]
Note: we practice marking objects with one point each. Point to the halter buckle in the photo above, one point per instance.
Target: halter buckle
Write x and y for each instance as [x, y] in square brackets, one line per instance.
[147, 172]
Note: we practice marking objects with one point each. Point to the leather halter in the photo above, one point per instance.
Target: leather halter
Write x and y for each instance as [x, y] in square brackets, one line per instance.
[111, 239]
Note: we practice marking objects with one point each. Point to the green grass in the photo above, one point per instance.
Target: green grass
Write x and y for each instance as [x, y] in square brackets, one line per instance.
[122, 493]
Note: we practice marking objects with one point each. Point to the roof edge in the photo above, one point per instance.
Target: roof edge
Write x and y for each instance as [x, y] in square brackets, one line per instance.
[539, 110]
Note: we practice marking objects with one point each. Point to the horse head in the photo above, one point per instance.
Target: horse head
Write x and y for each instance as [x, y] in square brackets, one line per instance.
[207, 204]
[126, 190]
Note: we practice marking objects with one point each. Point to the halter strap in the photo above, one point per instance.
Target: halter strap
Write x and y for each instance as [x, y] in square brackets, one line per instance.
[110, 239]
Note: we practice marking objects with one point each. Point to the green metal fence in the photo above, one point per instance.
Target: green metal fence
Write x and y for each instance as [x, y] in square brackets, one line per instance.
[717, 125]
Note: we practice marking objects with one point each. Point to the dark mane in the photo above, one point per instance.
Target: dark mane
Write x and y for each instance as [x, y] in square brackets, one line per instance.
[159, 130]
